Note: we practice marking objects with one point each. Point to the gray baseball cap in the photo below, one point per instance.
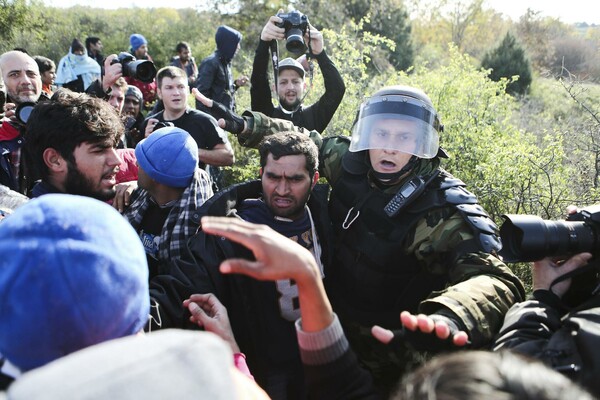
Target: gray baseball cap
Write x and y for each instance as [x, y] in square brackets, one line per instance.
[290, 63]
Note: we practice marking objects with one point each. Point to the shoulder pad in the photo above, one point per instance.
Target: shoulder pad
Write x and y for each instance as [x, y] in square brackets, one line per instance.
[450, 181]
[459, 195]
[485, 230]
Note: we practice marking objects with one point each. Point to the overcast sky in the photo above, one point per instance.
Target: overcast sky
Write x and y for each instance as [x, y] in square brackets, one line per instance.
[568, 11]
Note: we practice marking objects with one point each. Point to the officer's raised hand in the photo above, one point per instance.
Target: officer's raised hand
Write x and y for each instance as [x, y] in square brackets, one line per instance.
[432, 333]
[226, 118]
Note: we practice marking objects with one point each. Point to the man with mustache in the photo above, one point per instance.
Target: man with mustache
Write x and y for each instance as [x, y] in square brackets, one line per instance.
[23, 84]
[262, 314]
[72, 141]
[414, 251]
[291, 84]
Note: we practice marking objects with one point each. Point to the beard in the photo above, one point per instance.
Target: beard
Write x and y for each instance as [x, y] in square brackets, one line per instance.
[79, 184]
[289, 106]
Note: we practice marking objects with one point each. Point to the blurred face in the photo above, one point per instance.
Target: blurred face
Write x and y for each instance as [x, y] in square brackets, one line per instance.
[96, 47]
[94, 172]
[117, 98]
[132, 106]
[286, 185]
[290, 88]
[387, 135]
[173, 92]
[141, 52]
[21, 76]
[78, 52]
[184, 55]
[48, 77]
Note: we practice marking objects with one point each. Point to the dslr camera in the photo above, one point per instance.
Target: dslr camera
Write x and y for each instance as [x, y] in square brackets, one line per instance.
[162, 124]
[295, 24]
[530, 238]
[142, 70]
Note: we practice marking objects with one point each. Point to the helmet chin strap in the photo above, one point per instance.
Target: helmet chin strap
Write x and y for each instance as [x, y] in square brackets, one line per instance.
[393, 176]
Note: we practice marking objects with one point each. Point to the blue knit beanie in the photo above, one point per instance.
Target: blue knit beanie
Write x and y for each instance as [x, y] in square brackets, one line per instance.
[74, 274]
[136, 40]
[169, 156]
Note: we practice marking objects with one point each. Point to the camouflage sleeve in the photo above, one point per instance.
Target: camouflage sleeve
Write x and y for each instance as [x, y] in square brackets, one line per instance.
[331, 149]
[481, 288]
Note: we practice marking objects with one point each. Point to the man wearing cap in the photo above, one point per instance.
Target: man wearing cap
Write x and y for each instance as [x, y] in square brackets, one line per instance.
[72, 141]
[139, 49]
[133, 109]
[290, 86]
[215, 78]
[171, 188]
[415, 252]
[23, 84]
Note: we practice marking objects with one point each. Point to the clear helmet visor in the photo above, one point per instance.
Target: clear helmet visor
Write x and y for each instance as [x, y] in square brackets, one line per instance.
[396, 122]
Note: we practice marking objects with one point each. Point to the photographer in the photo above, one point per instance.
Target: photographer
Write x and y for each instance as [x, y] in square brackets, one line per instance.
[23, 84]
[544, 327]
[291, 83]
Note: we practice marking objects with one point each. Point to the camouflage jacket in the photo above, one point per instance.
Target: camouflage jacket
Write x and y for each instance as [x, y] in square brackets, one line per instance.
[480, 288]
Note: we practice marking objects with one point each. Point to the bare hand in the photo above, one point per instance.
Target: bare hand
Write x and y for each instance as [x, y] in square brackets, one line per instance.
[316, 39]
[271, 31]
[208, 312]
[424, 324]
[270, 249]
[241, 81]
[546, 271]
[150, 126]
[9, 111]
[202, 98]
[123, 194]
[112, 72]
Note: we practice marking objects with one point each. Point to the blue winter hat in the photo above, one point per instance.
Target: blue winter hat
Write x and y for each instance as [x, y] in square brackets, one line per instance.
[136, 40]
[74, 274]
[169, 156]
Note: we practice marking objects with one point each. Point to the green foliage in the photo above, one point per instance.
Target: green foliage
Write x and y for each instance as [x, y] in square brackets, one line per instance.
[13, 16]
[507, 61]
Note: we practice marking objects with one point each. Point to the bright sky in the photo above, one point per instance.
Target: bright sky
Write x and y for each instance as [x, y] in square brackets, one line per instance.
[568, 11]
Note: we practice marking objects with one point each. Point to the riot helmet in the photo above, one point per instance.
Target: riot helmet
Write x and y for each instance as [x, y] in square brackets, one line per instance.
[400, 118]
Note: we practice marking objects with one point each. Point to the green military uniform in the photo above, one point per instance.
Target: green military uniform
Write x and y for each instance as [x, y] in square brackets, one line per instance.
[432, 258]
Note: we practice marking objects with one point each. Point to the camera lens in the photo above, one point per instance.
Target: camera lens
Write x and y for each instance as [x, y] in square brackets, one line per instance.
[295, 41]
[530, 238]
[23, 112]
[142, 70]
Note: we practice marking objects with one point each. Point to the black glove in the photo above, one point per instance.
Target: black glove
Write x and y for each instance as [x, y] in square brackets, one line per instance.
[233, 122]
[428, 342]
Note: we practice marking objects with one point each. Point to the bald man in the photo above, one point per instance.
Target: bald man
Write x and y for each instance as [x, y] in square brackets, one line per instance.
[23, 84]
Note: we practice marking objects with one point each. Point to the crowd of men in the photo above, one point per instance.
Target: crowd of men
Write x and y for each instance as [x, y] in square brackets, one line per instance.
[112, 223]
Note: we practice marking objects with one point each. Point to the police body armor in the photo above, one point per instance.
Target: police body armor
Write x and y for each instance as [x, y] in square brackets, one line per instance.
[372, 277]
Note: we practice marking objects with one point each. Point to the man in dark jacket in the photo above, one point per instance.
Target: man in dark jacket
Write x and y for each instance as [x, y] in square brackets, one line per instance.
[262, 314]
[215, 77]
[291, 85]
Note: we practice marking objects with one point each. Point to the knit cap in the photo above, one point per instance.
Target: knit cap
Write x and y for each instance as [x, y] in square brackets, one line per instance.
[134, 91]
[136, 40]
[74, 274]
[169, 156]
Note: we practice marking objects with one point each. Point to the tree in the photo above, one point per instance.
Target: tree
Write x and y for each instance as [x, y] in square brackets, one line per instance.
[13, 18]
[507, 61]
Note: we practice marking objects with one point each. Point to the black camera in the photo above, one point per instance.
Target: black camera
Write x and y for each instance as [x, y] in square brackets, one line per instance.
[142, 70]
[162, 124]
[530, 238]
[295, 24]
